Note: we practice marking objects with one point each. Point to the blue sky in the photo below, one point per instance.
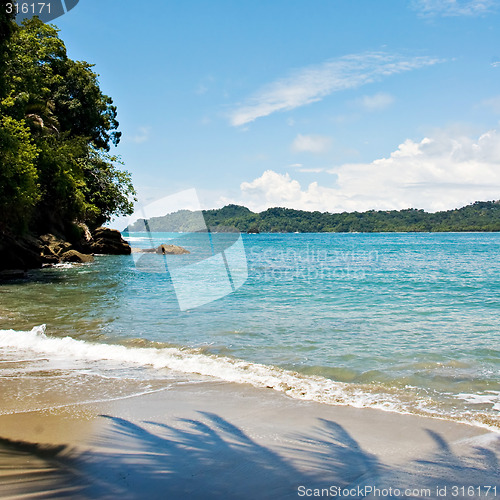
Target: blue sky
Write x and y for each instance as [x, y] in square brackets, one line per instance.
[319, 105]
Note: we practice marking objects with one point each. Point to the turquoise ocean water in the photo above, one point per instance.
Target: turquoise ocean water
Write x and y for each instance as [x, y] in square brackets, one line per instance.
[402, 322]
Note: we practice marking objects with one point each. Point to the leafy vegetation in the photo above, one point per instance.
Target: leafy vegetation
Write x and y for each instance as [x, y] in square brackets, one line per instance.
[480, 216]
[56, 131]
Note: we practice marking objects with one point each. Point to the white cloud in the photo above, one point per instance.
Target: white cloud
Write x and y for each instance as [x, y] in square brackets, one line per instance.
[375, 102]
[203, 85]
[493, 104]
[141, 136]
[436, 173]
[454, 7]
[311, 143]
[300, 168]
[201, 89]
[311, 170]
[313, 83]
[206, 120]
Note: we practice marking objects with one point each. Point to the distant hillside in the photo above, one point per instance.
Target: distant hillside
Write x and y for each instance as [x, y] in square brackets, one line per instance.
[479, 216]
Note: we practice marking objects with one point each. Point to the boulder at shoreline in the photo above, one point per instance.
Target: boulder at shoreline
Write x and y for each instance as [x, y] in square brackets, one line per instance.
[76, 256]
[163, 250]
[108, 241]
[171, 250]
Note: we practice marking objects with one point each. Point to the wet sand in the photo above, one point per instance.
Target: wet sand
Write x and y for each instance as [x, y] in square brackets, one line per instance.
[217, 440]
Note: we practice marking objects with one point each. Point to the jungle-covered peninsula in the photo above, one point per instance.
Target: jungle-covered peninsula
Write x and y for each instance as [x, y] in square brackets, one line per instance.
[479, 216]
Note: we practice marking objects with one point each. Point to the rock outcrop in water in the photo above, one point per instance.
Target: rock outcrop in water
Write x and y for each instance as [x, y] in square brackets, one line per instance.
[108, 241]
[171, 250]
[28, 252]
[163, 250]
[76, 256]
[55, 250]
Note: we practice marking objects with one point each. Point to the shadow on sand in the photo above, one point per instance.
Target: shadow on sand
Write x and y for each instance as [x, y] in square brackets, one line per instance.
[211, 458]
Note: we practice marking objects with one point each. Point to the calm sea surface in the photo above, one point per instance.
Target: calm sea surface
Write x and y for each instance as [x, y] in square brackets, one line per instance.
[403, 322]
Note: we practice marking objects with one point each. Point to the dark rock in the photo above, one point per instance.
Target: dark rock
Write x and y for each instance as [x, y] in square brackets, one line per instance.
[102, 246]
[75, 256]
[48, 252]
[54, 245]
[52, 248]
[171, 250]
[163, 249]
[29, 252]
[107, 233]
[108, 241]
[50, 259]
[253, 230]
[19, 253]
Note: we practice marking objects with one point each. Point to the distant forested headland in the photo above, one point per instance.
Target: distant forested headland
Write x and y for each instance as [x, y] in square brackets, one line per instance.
[479, 216]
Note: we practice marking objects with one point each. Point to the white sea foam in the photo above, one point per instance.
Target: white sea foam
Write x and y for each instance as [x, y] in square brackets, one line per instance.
[488, 397]
[137, 238]
[79, 354]
[193, 362]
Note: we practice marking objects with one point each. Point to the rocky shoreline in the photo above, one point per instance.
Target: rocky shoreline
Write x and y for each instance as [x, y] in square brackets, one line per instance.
[17, 255]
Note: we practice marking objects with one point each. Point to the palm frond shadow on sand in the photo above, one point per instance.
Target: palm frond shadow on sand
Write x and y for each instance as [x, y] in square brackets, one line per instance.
[209, 457]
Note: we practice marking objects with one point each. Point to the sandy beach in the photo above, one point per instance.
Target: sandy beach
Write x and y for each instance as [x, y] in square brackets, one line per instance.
[219, 440]
[250, 250]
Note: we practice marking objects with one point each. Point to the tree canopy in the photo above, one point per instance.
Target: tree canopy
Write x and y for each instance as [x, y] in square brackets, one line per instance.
[479, 216]
[56, 131]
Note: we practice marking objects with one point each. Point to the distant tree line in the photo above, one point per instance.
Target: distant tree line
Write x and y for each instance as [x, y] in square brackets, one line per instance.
[479, 216]
[56, 130]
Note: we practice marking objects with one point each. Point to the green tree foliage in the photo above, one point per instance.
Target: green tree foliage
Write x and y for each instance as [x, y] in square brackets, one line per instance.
[57, 129]
[107, 189]
[480, 216]
[18, 176]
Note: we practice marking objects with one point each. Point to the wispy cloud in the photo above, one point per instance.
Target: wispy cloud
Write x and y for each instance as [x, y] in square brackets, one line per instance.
[492, 104]
[454, 7]
[299, 167]
[204, 85]
[311, 143]
[313, 83]
[201, 89]
[311, 170]
[375, 102]
[141, 136]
